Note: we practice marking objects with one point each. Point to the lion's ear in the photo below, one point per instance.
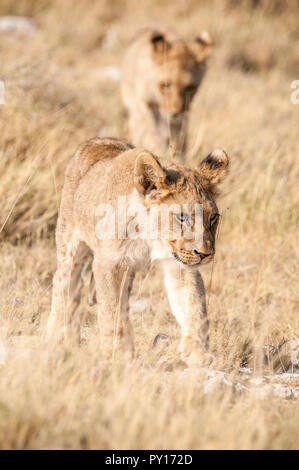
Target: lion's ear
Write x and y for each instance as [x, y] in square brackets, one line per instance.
[148, 173]
[202, 46]
[213, 169]
[159, 44]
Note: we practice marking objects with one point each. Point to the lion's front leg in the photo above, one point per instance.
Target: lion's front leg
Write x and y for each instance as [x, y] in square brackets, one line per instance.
[112, 290]
[186, 296]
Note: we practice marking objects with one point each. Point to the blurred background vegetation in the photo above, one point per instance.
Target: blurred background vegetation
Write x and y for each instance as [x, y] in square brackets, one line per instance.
[62, 87]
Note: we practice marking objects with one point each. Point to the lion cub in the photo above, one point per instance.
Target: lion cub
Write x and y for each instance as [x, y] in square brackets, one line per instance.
[160, 76]
[113, 193]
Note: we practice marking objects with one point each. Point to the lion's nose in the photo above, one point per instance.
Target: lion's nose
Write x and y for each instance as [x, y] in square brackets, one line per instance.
[201, 255]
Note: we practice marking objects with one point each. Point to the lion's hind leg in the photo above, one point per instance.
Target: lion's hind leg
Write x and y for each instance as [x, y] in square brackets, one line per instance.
[63, 322]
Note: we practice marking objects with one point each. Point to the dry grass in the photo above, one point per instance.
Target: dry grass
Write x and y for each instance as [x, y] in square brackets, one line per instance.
[57, 96]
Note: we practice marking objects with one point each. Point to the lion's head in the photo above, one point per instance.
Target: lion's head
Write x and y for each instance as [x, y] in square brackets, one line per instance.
[178, 69]
[188, 196]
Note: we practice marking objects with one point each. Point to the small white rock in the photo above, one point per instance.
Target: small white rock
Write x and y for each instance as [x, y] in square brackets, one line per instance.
[111, 72]
[105, 131]
[110, 40]
[139, 305]
[17, 24]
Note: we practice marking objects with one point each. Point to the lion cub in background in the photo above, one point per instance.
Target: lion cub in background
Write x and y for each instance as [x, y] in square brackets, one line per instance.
[160, 76]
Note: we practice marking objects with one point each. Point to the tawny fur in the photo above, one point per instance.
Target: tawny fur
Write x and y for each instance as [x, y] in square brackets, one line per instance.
[160, 76]
[99, 172]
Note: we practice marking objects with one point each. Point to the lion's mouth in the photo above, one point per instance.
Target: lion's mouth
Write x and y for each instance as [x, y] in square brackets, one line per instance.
[177, 258]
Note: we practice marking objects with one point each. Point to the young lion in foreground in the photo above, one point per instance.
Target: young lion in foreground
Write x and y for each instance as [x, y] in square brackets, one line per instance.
[102, 174]
[160, 76]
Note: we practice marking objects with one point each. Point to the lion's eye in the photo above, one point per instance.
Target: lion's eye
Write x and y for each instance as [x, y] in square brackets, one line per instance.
[190, 89]
[214, 218]
[183, 219]
[165, 86]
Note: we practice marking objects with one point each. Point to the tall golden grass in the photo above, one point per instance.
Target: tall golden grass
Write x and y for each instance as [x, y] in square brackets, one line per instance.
[57, 95]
